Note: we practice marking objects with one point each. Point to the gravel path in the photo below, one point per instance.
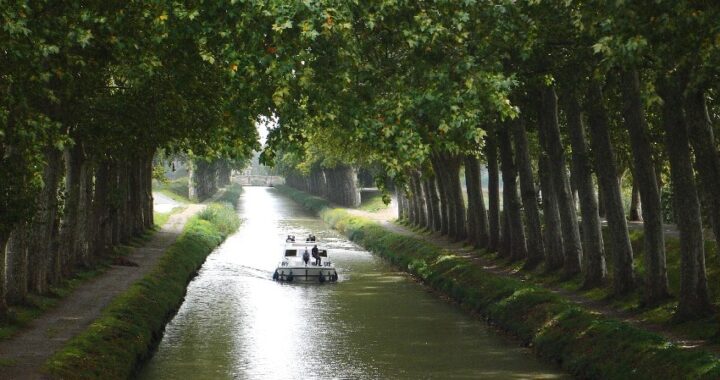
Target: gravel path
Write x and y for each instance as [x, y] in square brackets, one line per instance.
[163, 203]
[28, 350]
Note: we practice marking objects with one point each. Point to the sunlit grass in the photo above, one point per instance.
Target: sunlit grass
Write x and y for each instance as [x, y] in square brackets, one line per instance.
[176, 190]
[372, 201]
[161, 218]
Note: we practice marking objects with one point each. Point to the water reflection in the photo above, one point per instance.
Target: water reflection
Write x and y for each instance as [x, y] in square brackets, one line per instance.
[374, 323]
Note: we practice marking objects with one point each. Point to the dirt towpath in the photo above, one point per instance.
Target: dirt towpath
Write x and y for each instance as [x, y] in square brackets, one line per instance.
[28, 350]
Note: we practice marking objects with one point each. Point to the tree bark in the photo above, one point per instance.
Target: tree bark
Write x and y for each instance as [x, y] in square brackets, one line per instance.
[412, 202]
[707, 160]
[656, 281]
[101, 208]
[113, 236]
[433, 203]
[443, 192]
[572, 249]
[16, 265]
[419, 200]
[400, 196]
[126, 225]
[456, 198]
[511, 203]
[84, 209]
[635, 204]
[471, 189]
[535, 245]
[594, 253]
[694, 299]
[478, 229]
[44, 226]
[551, 216]
[4, 237]
[71, 221]
[606, 169]
[493, 192]
[505, 245]
[149, 219]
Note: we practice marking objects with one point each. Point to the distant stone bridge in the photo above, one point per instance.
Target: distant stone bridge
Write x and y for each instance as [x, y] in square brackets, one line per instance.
[258, 180]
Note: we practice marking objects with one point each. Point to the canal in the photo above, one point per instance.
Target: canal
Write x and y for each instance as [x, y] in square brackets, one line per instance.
[375, 323]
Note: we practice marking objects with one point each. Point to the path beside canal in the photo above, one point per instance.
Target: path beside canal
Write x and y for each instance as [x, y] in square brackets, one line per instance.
[24, 354]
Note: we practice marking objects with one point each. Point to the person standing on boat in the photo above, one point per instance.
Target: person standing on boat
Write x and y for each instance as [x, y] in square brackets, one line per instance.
[316, 254]
[306, 256]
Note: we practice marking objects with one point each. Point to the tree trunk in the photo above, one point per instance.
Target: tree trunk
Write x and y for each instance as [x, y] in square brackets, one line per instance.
[656, 281]
[149, 218]
[446, 181]
[71, 224]
[45, 225]
[505, 244]
[456, 198]
[433, 203]
[535, 246]
[635, 204]
[694, 300]
[551, 218]
[126, 227]
[442, 187]
[400, 196]
[16, 265]
[478, 229]
[572, 249]
[622, 255]
[84, 209]
[511, 203]
[4, 237]
[707, 160]
[593, 249]
[101, 208]
[412, 202]
[493, 192]
[113, 237]
[471, 189]
[419, 199]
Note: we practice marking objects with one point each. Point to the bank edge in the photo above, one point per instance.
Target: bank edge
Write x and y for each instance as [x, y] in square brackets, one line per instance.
[586, 345]
[128, 330]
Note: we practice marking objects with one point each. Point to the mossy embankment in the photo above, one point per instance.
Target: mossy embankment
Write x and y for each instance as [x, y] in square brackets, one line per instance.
[585, 344]
[116, 343]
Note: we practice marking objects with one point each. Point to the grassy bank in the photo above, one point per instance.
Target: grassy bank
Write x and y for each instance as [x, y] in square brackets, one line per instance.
[586, 345]
[231, 194]
[128, 329]
[176, 190]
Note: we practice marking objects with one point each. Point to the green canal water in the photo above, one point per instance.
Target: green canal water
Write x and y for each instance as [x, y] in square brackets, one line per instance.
[374, 323]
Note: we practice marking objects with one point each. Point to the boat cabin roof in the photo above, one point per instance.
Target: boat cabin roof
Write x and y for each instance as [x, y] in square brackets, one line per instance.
[296, 251]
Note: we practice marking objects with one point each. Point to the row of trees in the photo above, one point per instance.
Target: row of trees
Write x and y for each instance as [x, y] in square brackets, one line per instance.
[89, 93]
[207, 176]
[419, 88]
[560, 95]
[338, 184]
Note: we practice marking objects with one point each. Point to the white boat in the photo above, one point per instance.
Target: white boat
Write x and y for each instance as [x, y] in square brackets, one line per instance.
[293, 267]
